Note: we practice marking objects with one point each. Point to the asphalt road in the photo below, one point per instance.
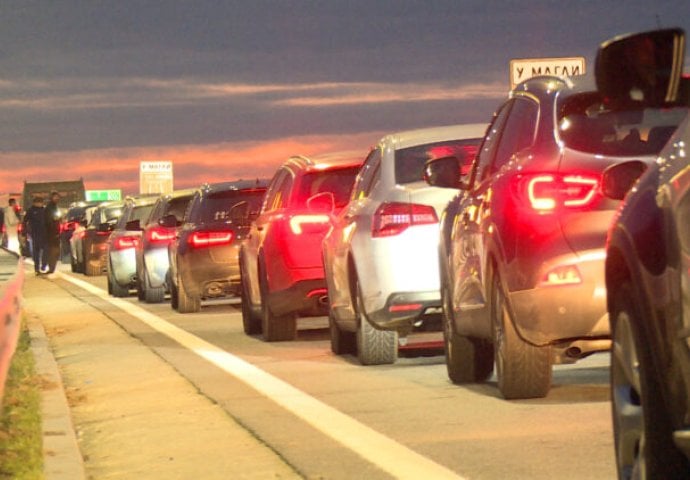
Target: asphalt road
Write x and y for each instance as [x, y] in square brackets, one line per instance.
[330, 417]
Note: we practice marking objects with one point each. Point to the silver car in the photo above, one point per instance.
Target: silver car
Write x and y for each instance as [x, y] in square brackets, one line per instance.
[121, 259]
[380, 257]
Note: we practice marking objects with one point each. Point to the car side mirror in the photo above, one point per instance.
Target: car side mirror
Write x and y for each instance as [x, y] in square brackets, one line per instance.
[443, 172]
[323, 202]
[133, 225]
[618, 179]
[168, 221]
[642, 69]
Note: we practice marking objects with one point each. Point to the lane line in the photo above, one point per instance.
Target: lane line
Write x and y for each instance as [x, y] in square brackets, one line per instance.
[384, 452]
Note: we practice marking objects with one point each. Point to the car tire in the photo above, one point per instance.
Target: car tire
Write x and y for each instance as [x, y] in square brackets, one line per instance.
[174, 298]
[374, 346]
[91, 269]
[342, 342]
[468, 359]
[115, 289]
[73, 265]
[186, 303]
[151, 294]
[251, 323]
[523, 370]
[642, 430]
[275, 328]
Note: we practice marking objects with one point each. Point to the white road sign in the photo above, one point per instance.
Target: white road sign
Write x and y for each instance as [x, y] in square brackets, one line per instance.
[155, 177]
[523, 68]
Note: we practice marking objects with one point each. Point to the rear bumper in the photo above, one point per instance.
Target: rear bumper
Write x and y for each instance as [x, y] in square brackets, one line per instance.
[206, 278]
[403, 309]
[123, 265]
[157, 264]
[306, 297]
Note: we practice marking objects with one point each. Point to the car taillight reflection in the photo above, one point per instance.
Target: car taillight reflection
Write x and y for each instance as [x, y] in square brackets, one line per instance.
[210, 239]
[123, 243]
[548, 192]
[309, 224]
[160, 235]
[394, 218]
[68, 226]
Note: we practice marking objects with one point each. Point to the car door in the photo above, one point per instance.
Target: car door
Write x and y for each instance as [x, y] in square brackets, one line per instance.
[351, 219]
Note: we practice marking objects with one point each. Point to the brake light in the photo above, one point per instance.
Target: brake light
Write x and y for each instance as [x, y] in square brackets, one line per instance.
[308, 223]
[209, 239]
[123, 243]
[547, 192]
[394, 218]
[68, 226]
[160, 235]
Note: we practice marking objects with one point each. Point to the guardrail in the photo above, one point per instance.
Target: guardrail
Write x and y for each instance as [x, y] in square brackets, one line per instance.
[10, 319]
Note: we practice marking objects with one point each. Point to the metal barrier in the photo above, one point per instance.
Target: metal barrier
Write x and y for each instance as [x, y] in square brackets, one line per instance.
[10, 320]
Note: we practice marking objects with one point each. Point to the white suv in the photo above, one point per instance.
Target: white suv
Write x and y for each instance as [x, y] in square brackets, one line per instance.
[381, 256]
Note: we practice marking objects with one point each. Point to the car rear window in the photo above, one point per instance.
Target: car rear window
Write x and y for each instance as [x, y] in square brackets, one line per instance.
[177, 206]
[337, 181]
[409, 162]
[216, 206]
[587, 125]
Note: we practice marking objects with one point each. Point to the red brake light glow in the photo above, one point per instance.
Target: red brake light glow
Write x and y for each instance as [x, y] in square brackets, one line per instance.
[547, 192]
[210, 239]
[308, 223]
[394, 218]
[160, 235]
[123, 243]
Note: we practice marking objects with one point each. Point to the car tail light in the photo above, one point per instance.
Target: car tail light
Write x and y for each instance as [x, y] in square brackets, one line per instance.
[210, 239]
[394, 218]
[300, 224]
[68, 226]
[123, 243]
[549, 192]
[160, 235]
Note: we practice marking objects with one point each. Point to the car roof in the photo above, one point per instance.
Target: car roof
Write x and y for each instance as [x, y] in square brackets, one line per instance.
[257, 183]
[549, 85]
[322, 162]
[423, 136]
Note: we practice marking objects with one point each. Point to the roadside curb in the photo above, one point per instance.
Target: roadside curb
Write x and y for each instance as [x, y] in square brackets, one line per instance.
[61, 456]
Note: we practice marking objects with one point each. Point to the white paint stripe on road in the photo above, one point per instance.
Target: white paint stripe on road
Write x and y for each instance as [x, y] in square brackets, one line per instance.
[385, 453]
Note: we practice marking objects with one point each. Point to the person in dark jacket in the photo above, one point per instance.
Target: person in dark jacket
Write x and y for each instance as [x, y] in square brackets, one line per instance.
[52, 231]
[35, 226]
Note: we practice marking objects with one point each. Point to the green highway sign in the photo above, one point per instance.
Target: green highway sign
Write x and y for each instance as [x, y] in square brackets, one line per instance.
[103, 195]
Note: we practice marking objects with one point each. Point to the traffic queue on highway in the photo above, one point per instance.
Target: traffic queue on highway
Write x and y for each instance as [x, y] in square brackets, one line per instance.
[519, 240]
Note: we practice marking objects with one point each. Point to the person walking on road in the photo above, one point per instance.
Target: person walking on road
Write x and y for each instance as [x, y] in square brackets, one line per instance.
[35, 226]
[11, 222]
[52, 231]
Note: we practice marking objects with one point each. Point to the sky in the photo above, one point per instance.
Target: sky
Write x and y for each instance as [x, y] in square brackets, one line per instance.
[231, 89]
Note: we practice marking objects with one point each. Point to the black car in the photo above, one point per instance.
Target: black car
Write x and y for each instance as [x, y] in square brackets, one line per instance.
[204, 255]
[648, 264]
[522, 250]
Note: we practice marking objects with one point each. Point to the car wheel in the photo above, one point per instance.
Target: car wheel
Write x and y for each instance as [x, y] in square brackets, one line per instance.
[275, 328]
[251, 323]
[523, 370]
[114, 288]
[92, 269]
[374, 346]
[642, 431]
[151, 294]
[140, 288]
[186, 303]
[468, 359]
[342, 342]
[73, 264]
[174, 298]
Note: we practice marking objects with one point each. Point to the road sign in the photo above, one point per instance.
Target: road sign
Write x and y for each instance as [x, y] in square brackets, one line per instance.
[103, 195]
[155, 177]
[523, 68]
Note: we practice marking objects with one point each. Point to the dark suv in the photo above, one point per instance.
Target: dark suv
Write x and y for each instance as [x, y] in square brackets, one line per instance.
[648, 263]
[281, 262]
[203, 256]
[522, 246]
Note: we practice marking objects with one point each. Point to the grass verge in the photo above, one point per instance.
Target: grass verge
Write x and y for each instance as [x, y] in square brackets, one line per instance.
[21, 455]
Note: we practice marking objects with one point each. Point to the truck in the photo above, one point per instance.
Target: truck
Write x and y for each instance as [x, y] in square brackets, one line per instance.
[71, 191]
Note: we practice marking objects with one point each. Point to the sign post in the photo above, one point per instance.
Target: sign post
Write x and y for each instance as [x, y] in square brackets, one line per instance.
[155, 177]
[523, 68]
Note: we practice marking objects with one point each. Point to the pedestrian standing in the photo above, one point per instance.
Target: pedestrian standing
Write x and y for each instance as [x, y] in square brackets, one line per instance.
[35, 226]
[52, 232]
[11, 222]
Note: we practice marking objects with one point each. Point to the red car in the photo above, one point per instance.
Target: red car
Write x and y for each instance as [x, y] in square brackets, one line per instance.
[281, 266]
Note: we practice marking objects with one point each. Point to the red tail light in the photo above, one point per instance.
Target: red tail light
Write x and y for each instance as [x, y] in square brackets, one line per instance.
[123, 243]
[160, 235]
[548, 192]
[68, 226]
[394, 218]
[210, 239]
[309, 223]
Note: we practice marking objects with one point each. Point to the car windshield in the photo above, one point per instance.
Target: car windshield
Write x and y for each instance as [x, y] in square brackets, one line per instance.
[409, 162]
[585, 124]
[337, 181]
[217, 206]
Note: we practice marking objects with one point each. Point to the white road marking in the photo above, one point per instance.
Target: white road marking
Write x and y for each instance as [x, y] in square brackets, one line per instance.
[384, 452]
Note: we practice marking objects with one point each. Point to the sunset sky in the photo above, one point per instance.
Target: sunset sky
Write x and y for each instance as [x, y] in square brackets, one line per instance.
[230, 89]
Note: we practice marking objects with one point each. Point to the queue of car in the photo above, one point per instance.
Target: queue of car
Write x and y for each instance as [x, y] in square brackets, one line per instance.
[557, 231]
